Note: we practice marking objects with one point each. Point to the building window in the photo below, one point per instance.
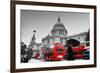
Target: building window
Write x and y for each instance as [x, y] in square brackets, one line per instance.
[61, 32]
[48, 41]
[78, 38]
[61, 40]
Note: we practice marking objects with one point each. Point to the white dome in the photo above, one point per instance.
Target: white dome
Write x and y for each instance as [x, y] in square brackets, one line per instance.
[59, 26]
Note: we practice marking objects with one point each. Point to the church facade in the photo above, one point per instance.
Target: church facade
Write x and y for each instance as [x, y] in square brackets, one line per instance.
[58, 34]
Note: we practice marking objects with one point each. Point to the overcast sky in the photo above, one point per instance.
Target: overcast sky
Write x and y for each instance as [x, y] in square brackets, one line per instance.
[43, 22]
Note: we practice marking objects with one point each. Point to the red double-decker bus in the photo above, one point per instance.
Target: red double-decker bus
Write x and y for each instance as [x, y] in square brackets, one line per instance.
[56, 53]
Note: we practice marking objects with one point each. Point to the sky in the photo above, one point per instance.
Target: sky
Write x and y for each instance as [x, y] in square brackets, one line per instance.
[43, 22]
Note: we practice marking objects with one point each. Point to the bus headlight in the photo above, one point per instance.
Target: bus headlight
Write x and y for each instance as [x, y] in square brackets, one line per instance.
[59, 56]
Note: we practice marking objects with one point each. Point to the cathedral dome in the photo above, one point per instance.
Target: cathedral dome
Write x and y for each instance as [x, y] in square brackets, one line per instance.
[58, 26]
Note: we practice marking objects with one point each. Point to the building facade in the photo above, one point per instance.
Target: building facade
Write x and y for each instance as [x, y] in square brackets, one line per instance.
[80, 37]
[58, 34]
